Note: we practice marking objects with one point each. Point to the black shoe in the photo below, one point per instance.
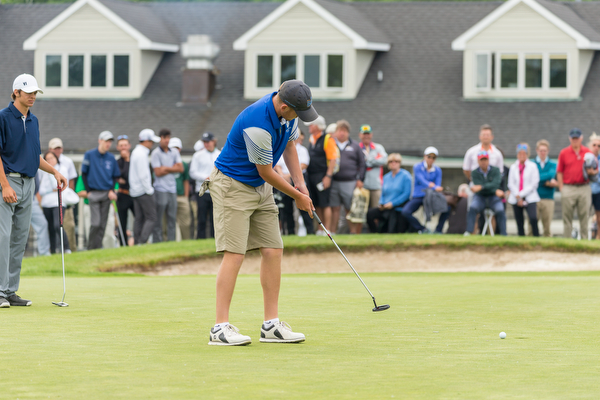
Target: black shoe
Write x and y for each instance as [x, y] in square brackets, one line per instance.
[15, 300]
[4, 303]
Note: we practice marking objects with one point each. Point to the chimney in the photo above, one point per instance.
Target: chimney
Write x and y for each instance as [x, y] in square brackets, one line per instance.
[199, 76]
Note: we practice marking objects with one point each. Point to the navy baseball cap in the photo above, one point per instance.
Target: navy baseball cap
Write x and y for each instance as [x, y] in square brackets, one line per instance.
[207, 137]
[296, 95]
[575, 133]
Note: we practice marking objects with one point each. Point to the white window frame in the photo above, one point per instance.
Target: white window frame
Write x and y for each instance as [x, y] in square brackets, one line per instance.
[488, 87]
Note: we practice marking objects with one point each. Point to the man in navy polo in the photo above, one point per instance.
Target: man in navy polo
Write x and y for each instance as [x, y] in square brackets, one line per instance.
[100, 171]
[20, 154]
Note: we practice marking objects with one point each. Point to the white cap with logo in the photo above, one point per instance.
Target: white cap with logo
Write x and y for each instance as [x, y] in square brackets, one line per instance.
[175, 142]
[106, 135]
[148, 134]
[26, 83]
[431, 150]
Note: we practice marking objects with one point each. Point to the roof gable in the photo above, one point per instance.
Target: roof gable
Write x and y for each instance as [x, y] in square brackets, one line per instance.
[131, 21]
[560, 15]
[341, 16]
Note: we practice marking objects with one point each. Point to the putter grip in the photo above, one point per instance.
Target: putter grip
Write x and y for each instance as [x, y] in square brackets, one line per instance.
[60, 208]
[317, 218]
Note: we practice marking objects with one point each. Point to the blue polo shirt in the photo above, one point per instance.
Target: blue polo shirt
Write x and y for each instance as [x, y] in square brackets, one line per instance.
[258, 136]
[19, 141]
[101, 169]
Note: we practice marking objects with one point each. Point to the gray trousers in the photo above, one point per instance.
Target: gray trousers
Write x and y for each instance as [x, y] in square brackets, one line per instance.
[145, 218]
[165, 202]
[99, 207]
[15, 219]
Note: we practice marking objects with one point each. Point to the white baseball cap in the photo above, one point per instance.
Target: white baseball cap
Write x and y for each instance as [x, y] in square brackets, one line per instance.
[148, 134]
[199, 145]
[26, 83]
[431, 150]
[319, 121]
[175, 142]
[55, 143]
[106, 135]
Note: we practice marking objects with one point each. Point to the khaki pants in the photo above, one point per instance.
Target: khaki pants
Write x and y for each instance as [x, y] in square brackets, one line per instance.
[184, 218]
[374, 196]
[576, 198]
[545, 214]
[69, 227]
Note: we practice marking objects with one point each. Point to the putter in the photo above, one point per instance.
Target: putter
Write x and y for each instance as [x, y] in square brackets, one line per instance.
[62, 250]
[123, 239]
[377, 308]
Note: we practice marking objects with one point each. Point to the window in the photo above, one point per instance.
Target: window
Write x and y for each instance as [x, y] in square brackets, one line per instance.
[558, 71]
[509, 70]
[312, 71]
[121, 71]
[76, 71]
[335, 69]
[53, 70]
[264, 73]
[483, 71]
[98, 71]
[288, 68]
[533, 70]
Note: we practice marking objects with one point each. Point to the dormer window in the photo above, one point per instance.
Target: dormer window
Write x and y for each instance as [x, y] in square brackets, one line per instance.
[95, 71]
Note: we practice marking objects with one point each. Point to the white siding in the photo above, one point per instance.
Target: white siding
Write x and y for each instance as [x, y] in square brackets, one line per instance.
[585, 62]
[150, 61]
[364, 58]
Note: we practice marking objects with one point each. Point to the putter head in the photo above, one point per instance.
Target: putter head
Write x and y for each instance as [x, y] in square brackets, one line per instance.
[61, 304]
[382, 307]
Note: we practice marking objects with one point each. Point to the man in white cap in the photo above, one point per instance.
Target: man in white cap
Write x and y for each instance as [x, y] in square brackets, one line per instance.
[182, 181]
[56, 146]
[201, 167]
[20, 157]
[140, 187]
[100, 172]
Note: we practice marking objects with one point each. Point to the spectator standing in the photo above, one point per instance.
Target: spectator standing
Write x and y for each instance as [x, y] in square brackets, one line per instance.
[166, 164]
[375, 159]
[50, 206]
[100, 173]
[202, 165]
[140, 187]
[324, 161]
[350, 176]
[547, 185]
[20, 157]
[427, 176]
[523, 181]
[56, 146]
[387, 216]
[486, 186]
[124, 200]
[594, 145]
[470, 162]
[182, 180]
[38, 220]
[575, 190]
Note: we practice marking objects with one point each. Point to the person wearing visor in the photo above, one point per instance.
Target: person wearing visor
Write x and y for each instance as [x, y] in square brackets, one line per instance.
[523, 181]
[245, 213]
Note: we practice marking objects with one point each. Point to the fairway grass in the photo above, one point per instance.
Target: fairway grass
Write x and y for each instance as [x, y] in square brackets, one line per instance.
[146, 338]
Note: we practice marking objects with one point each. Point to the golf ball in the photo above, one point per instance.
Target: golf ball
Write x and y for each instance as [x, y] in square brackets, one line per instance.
[502, 335]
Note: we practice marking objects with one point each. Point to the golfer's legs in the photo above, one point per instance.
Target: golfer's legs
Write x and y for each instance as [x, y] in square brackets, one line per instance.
[6, 212]
[20, 232]
[270, 280]
[226, 278]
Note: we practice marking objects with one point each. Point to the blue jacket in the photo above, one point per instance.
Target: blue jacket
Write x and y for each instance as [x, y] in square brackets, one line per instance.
[396, 189]
[547, 173]
[423, 177]
[19, 141]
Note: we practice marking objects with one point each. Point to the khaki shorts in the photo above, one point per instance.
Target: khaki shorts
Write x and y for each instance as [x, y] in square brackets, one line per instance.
[245, 217]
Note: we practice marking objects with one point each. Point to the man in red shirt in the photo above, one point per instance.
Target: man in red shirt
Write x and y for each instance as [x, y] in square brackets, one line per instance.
[575, 190]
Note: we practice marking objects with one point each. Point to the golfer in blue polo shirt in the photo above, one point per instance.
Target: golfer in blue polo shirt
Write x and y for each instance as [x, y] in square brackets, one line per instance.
[20, 154]
[245, 213]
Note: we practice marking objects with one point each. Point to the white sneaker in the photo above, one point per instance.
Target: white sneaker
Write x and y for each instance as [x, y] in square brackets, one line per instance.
[467, 234]
[228, 335]
[321, 233]
[280, 332]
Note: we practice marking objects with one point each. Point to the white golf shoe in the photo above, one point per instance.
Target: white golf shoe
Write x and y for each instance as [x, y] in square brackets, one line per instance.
[228, 335]
[280, 332]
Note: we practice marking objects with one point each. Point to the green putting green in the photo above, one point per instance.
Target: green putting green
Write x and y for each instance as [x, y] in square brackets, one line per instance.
[146, 337]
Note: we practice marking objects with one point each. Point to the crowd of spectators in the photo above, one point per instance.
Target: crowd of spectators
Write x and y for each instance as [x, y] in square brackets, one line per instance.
[167, 198]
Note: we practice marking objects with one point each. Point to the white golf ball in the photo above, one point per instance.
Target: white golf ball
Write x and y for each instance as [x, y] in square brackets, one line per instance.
[502, 335]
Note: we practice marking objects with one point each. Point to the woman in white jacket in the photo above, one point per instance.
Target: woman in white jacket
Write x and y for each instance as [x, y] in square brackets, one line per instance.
[49, 204]
[523, 180]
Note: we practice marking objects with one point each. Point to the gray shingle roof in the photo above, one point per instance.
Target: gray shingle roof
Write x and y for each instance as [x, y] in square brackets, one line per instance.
[419, 103]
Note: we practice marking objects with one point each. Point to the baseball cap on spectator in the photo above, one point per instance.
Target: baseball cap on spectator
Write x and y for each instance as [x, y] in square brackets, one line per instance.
[575, 133]
[296, 95]
[207, 137]
[199, 145]
[365, 129]
[319, 121]
[148, 134]
[175, 142]
[431, 150]
[482, 154]
[26, 83]
[106, 135]
[55, 143]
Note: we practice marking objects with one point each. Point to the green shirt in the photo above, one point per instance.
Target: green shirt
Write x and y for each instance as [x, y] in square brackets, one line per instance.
[80, 187]
[185, 176]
